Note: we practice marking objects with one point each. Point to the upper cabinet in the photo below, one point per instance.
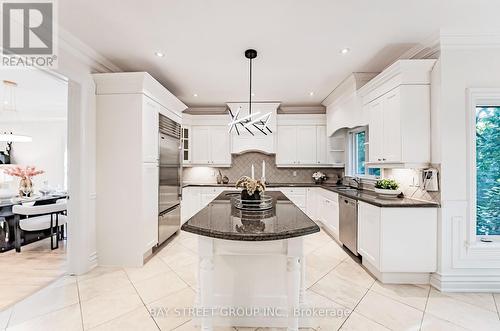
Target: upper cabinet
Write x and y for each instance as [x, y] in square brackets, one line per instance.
[211, 145]
[397, 102]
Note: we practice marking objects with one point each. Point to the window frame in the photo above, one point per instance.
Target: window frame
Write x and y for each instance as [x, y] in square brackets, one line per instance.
[477, 97]
[352, 153]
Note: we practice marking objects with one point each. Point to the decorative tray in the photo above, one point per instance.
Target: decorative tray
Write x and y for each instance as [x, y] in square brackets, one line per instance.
[265, 202]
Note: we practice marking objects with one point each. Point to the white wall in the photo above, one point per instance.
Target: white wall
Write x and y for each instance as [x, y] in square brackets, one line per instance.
[463, 265]
[46, 151]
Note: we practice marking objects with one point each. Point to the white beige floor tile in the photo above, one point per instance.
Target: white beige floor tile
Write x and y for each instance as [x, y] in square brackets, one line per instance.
[188, 273]
[191, 326]
[96, 272]
[389, 313]
[44, 301]
[66, 319]
[482, 300]
[339, 290]
[323, 259]
[150, 269]
[461, 313]
[102, 284]
[180, 259]
[159, 286]
[412, 295]
[106, 307]
[496, 296]
[352, 272]
[138, 319]
[336, 314]
[4, 318]
[433, 323]
[166, 317]
[357, 322]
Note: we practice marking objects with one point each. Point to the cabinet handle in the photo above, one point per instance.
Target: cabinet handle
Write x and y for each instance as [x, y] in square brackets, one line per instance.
[383, 159]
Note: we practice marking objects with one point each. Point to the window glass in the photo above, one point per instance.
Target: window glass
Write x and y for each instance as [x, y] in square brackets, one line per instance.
[360, 152]
[359, 155]
[488, 170]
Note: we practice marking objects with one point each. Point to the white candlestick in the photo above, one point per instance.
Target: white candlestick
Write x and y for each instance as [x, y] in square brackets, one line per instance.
[263, 170]
[253, 174]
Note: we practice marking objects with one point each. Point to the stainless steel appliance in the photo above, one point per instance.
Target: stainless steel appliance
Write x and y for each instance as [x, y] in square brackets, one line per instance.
[348, 223]
[170, 188]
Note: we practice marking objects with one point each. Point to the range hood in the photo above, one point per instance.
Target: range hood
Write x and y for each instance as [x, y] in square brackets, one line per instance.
[245, 141]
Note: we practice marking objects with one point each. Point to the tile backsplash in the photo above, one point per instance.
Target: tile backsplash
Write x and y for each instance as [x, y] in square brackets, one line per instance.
[242, 164]
[406, 178]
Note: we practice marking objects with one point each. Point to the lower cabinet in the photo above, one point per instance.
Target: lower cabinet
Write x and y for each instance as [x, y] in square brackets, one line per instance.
[196, 198]
[329, 211]
[398, 245]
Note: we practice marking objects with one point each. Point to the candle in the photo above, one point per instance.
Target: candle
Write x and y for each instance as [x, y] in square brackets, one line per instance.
[253, 174]
[263, 170]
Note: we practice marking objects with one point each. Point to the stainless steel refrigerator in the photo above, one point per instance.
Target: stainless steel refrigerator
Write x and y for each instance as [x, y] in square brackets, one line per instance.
[170, 188]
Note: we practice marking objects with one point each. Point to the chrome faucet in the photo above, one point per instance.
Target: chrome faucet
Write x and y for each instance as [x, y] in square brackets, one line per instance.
[357, 180]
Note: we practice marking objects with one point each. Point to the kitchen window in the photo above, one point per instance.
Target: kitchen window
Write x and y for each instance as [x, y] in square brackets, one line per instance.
[487, 151]
[358, 154]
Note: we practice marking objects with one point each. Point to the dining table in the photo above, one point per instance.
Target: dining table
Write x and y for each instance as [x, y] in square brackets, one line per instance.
[7, 222]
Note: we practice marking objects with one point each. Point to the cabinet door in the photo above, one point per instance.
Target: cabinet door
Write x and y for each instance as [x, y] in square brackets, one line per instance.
[369, 233]
[186, 144]
[333, 211]
[392, 127]
[149, 224]
[376, 131]
[321, 155]
[311, 203]
[286, 151]
[220, 145]
[306, 145]
[150, 131]
[200, 150]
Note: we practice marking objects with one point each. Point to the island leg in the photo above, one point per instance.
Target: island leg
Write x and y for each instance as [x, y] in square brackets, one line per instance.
[294, 284]
[302, 296]
[205, 272]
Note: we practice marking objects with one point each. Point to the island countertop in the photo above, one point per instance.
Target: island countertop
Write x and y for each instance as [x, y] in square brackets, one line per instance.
[219, 219]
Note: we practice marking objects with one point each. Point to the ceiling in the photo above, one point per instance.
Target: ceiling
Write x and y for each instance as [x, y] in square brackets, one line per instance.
[39, 95]
[299, 42]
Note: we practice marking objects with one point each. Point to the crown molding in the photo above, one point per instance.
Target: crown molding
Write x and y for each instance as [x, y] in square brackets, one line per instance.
[348, 87]
[468, 40]
[302, 110]
[218, 110]
[84, 53]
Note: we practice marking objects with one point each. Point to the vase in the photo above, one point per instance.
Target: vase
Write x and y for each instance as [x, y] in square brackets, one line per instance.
[25, 187]
[246, 196]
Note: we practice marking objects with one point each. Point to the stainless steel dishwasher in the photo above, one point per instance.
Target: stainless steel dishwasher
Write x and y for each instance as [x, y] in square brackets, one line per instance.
[348, 223]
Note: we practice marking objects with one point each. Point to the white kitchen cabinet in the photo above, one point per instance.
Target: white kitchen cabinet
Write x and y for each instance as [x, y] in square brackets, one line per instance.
[150, 178]
[306, 144]
[398, 245]
[186, 144]
[329, 211]
[321, 145]
[150, 131]
[211, 145]
[398, 105]
[312, 202]
[369, 233]
[301, 145]
[196, 198]
[127, 123]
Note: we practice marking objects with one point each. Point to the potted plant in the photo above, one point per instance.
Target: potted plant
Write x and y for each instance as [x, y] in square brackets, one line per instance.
[387, 188]
[319, 177]
[26, 174]
[252, 188]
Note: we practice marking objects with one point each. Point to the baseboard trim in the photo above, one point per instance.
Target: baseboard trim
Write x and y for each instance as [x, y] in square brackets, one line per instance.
[465, 283]
[93, 260]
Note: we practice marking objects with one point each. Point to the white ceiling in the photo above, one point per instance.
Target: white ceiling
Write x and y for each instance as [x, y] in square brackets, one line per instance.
[39, 95]
[298, 41]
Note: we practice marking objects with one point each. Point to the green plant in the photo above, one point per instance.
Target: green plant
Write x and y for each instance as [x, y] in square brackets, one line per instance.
[387, 184]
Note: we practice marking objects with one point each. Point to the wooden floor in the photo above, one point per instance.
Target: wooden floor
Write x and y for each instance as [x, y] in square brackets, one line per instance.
[22, 274]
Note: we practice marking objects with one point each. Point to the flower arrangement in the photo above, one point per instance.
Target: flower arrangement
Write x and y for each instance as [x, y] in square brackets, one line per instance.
[318, 177]
[387, 184]
[25, 184]
[251, 187]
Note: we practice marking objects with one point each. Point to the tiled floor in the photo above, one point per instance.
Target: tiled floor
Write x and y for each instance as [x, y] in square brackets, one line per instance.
[22, 274]
[121, 299]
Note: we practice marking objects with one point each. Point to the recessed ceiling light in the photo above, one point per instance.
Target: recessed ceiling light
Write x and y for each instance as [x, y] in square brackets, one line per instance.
[344, 51]
[195, 95]
[311, 93]
[160, 54]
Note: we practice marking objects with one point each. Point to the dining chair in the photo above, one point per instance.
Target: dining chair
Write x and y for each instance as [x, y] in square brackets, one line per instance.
[38, 218]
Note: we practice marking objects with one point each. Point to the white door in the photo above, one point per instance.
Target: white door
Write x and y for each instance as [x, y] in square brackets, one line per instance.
[321, 154]
[306, 144]
[150, 176]
[200, 150]
[150, 131]
[376, 131]
[369, 233]
[286, 151]
[220, 146]
[392, 127]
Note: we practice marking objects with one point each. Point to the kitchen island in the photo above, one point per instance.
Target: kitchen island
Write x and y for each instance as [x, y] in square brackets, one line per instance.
[251, 263]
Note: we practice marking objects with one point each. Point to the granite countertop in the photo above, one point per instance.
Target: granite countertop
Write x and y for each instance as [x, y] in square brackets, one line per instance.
[221, 220]
[360, 195]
